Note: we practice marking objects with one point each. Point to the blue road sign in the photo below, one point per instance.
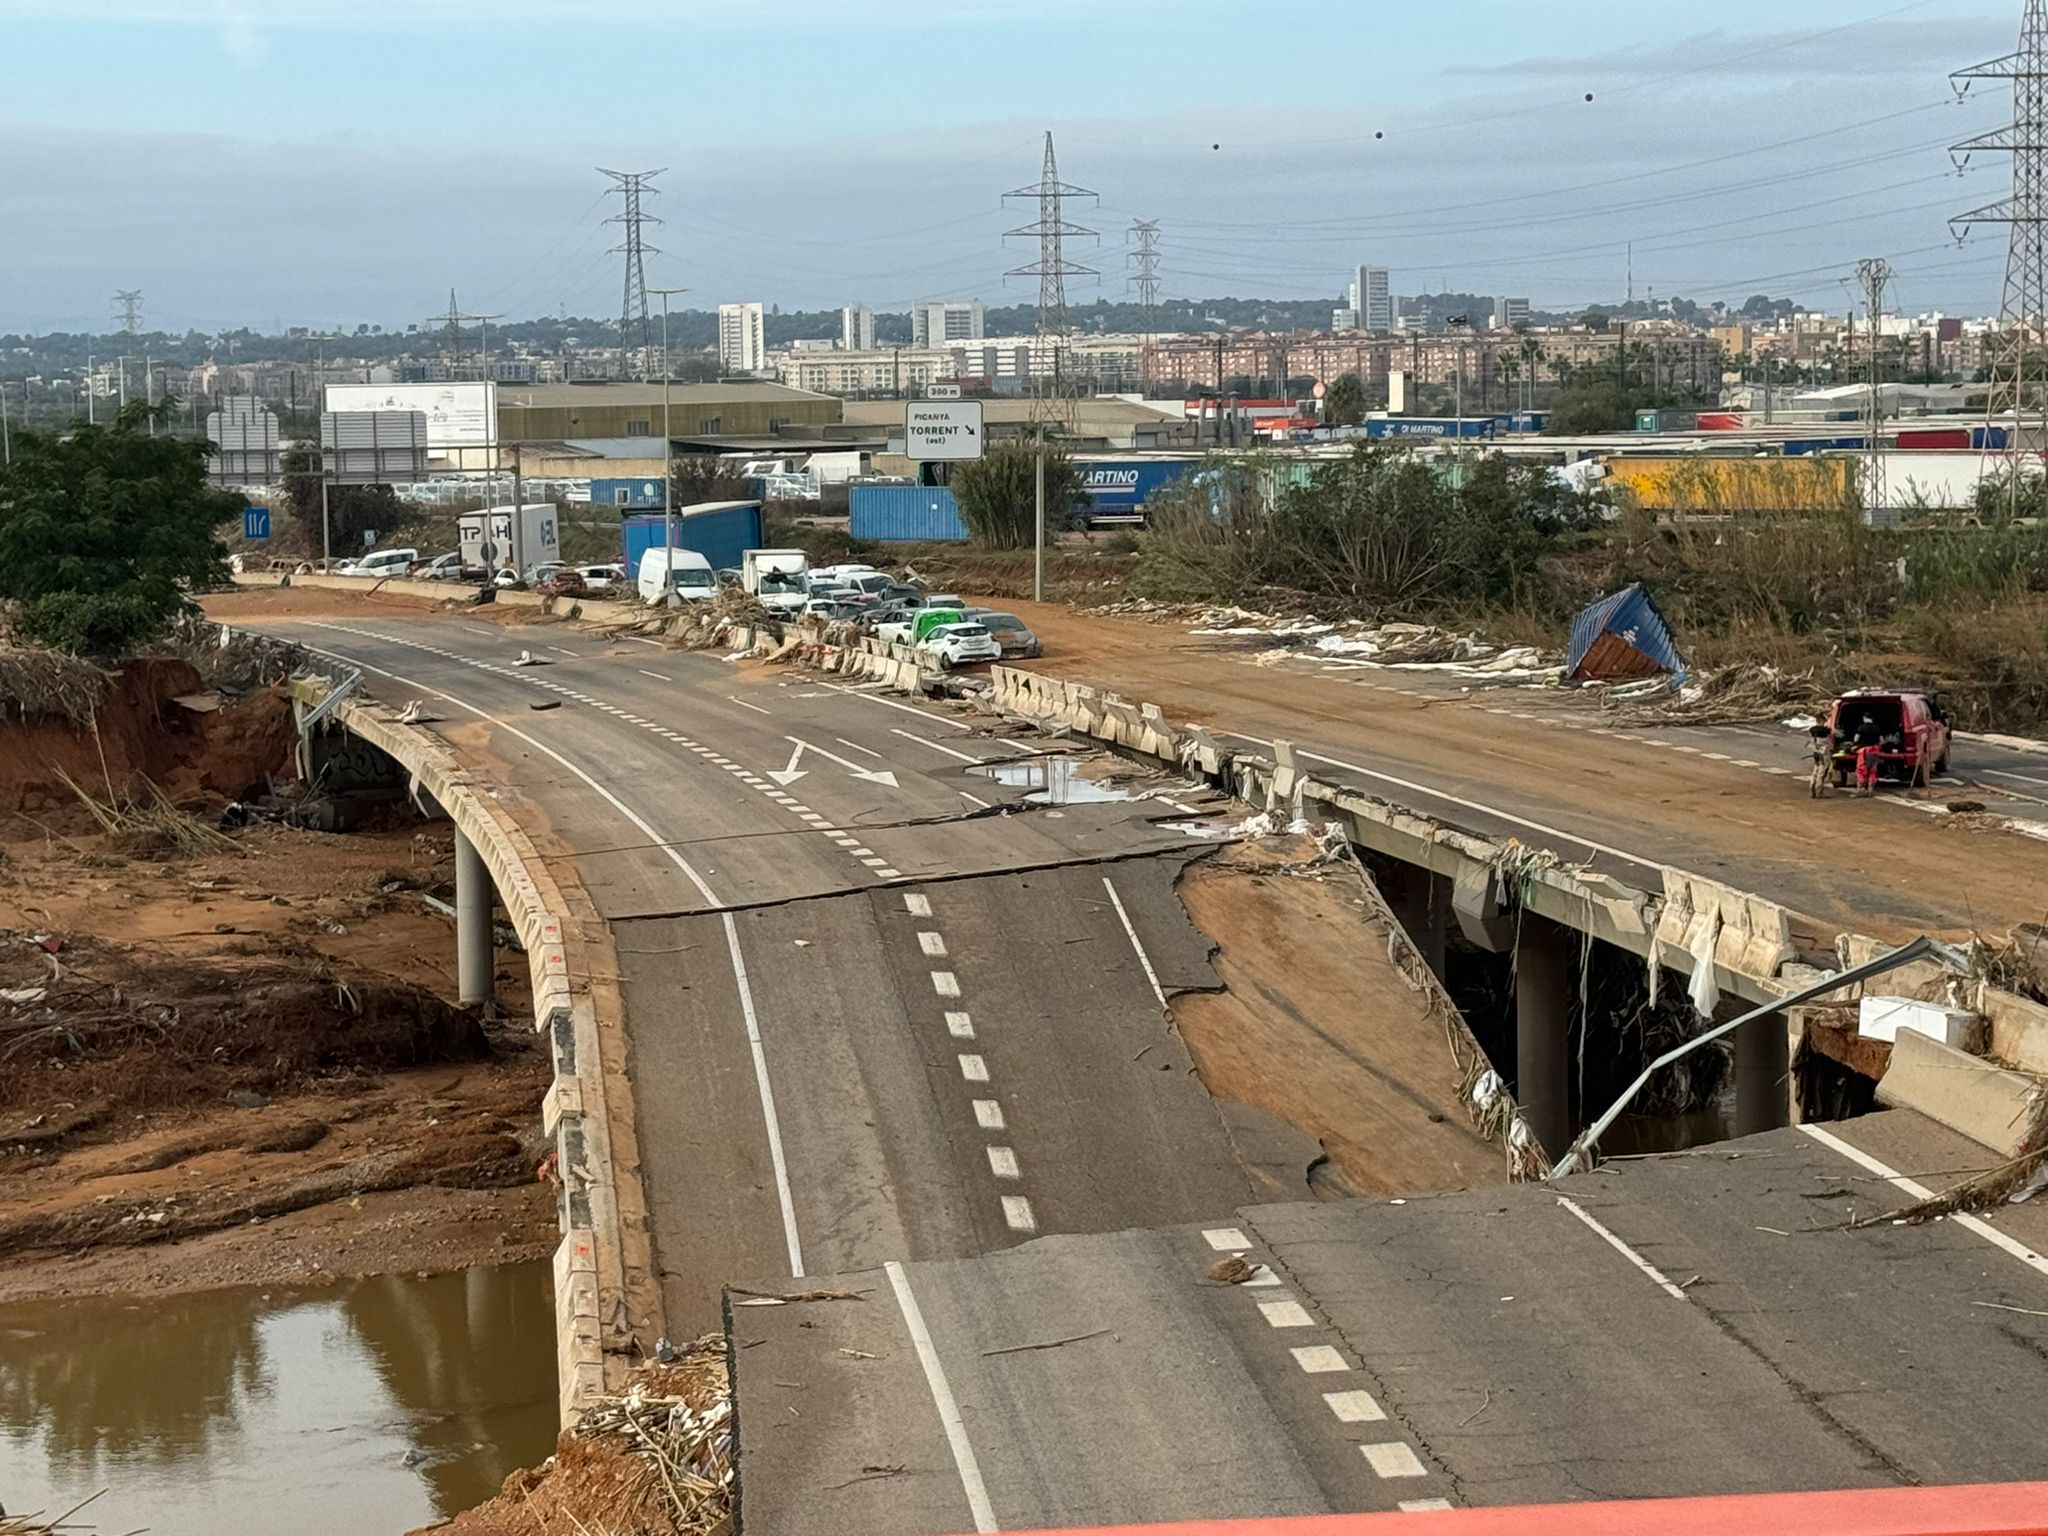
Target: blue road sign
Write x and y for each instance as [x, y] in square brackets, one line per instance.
[255, 522]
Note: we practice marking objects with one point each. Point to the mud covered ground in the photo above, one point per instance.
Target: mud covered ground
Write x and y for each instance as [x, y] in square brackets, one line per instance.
[245, 1067]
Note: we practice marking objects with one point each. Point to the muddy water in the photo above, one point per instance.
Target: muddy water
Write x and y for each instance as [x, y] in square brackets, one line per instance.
[360, 1409]
[1052, 781]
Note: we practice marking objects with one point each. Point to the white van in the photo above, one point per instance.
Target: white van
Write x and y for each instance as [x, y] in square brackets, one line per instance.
[694, 579]
[383, 562]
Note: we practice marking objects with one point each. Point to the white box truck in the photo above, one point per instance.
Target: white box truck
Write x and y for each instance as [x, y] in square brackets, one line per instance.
[510, 538]
[780, 578]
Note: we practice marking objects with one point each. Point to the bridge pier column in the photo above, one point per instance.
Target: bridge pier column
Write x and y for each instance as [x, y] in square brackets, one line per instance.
[1543, 1002]
[1763, 1073]
[475, 958]
[1421, 900]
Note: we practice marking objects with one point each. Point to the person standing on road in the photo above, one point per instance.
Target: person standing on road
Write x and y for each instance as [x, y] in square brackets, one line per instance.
[1869, 744]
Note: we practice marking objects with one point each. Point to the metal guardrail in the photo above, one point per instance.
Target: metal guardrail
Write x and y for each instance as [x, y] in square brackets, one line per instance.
[1581, 1151]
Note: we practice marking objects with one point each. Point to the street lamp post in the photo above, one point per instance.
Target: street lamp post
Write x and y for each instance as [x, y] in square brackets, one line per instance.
[668, 461]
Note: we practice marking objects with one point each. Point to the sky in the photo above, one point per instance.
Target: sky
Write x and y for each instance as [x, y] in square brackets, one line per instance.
[310, 162]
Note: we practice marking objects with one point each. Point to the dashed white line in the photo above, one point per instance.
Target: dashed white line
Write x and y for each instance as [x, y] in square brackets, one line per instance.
[976, 799]
[974, 1069]
[1395, 1459]
[960, 1025]
[917, 906]
[1143, 959]
[856, 746]
[1919, 1191]
[659, 677]
[933, 944]
[1017, 1212]
[1319, 1360]
[1422, 1506]
[945, 983]
[908, 709]
[1226, 1239]
[1354, 1407]
[964, 757]
[1622, 1248]
[1286, 1314]
[1002, 1162]
[559, 651]
[964, 1462]
[757, 709]
[988, 1114]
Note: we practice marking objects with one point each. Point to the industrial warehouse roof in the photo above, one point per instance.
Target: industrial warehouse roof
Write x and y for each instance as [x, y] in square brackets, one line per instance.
[545, 396]
[889, 413]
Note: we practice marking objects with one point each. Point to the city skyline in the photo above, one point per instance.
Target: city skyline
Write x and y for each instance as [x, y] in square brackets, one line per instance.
[1753, 158]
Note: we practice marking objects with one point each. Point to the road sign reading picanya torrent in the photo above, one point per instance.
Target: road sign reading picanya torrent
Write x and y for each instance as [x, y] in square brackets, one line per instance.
[939, 431]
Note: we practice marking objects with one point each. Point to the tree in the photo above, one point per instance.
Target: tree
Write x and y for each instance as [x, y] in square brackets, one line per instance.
[106, 531]
[998, 495]
[1591, 401]
[1344, 404]
[352, 510]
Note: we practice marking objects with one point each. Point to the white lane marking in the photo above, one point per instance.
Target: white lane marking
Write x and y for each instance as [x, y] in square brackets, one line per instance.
[1286, 1314]
[1354, 1407]
[1622, 1248]
[559, 651]
[1919, 1191]
[762, 1087]
[2024, 778]
[875, 864]
[1143, 959]
[988, 1114]
[642, 640]
[917, 906]
[1017, 1212]
[942, 1399]
[889, 874]
[870, 751]
[1226, 1239]
[757, 709]
[1002, 1162]
[945, 983]
[935, 746]
[1261, 1277]
[479, 629]
[1470, 805]
[975, 798]
[1394, 1460]
[960, 1026]
[659, 677]
[908, 709]
[974, 1069]
[1319, 1360]
[1422, 1506]
[932, 944]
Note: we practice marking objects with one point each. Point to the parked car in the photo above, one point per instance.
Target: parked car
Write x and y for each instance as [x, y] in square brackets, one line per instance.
[944, 600]
[603, 578]
[872, 584]
[957, 644]
[912, 629]
[562, 581]
[533, 577]
[832, 609]
[1011, 632]
[382, 562]
[1911, 731]
[729, 575]
[448, 567]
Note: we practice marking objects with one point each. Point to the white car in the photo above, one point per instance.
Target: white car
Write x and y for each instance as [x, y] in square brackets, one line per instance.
[957, 644]
[603, 578]
[384, 562]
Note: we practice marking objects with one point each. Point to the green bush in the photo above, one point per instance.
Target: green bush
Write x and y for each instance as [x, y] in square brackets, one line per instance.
[998, 496]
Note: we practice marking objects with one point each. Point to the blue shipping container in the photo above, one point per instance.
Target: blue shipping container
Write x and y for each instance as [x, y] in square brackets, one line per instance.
[1121, 487]
[1800, 447]
[1432, 426]
[906, 514]
[721, 534]
[629, 494]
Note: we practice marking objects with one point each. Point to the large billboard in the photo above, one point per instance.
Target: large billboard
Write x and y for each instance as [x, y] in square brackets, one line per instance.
[458, 415]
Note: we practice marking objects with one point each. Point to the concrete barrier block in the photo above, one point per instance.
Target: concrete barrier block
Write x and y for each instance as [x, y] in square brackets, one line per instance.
[1159, 738]
[1202, 752]
[1990, 1104]
[2019, 1030]
[564, 1098]
[1286, 776]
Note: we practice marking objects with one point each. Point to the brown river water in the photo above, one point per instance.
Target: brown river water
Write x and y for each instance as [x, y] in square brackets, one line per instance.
[359, 1409]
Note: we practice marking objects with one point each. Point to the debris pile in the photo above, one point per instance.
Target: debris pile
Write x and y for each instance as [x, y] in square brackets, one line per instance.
[657, 1460]
[50, 684]
[143, 823]
[1740, 695]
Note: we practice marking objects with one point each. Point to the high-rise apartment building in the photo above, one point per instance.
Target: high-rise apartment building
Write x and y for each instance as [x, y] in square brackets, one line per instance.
[935, 324]
[1509, 313]
[1373, 299]
[742, 338]
[857, 328]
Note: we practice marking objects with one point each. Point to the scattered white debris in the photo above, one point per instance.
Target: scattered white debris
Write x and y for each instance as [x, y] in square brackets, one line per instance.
[1800, 723]
[1486, 1088]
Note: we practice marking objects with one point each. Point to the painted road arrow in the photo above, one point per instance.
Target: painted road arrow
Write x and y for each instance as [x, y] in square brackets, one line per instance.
[791, 773]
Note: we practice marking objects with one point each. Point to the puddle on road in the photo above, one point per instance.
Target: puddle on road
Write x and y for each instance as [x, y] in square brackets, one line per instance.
[281, 1410]
[1052, 781]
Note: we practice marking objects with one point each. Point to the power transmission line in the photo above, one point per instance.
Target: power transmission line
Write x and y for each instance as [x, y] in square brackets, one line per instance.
[2025, 213]
[128, 308]
[1145, 262]
[1052, 269]
[631, 185]
[1873, 276]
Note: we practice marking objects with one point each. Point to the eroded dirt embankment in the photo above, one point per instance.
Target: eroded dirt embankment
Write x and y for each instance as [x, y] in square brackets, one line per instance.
[241, 1065]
